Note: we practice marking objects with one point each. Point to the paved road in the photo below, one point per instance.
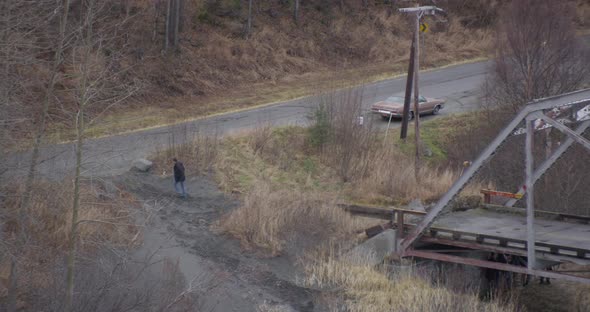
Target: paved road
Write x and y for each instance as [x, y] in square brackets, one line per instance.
[459, 85]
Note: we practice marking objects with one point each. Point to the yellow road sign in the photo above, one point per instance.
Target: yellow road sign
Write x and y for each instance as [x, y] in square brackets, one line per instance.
[424, 27]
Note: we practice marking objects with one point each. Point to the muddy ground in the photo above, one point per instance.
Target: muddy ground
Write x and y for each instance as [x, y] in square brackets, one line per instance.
[223, 275]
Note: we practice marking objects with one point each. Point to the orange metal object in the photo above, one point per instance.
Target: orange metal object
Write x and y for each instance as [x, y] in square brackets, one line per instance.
[487, 194]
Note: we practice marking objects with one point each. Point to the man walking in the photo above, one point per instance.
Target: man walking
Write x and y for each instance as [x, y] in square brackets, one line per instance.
[179, 177]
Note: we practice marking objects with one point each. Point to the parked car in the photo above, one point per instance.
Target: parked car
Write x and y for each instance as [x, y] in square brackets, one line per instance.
[394, 106]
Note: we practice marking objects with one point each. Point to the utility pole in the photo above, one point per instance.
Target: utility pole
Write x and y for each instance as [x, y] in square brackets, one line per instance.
[416, 97]
[408, 96]
[418, 12]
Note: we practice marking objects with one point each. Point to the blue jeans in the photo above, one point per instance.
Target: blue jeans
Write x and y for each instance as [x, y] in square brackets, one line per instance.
[181, 191]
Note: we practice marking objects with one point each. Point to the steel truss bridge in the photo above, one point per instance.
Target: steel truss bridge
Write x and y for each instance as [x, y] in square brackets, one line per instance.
[540, 237]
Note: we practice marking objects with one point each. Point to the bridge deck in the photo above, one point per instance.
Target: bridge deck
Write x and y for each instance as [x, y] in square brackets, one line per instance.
[558, 237]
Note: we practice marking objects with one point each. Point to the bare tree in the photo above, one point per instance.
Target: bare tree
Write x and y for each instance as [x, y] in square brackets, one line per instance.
[97, 87]
[341, 132]
[296, 12]
[168, 18]
[173, 19]
[18, 25]
[176, 21]
[249, 26]
[537, 53]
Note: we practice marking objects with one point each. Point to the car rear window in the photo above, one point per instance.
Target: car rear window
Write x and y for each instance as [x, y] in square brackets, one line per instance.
[397, 99]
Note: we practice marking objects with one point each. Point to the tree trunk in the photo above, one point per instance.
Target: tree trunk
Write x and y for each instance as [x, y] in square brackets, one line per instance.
[181, 16]
[79, 145]
[25, 200]
[176, 22]
[296, 12]
[156, 19]
[75, 208]
[12, 286]
[249, 27]
[167, 35]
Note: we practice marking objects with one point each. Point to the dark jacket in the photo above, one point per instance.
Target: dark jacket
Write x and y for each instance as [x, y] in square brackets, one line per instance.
[179, 172]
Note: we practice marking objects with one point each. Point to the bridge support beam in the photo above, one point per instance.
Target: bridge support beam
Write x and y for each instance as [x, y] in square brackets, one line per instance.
[570, 133]
[530, 197]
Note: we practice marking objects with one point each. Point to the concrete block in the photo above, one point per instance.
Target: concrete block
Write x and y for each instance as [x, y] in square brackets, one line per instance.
[373, 250]
[142, 165]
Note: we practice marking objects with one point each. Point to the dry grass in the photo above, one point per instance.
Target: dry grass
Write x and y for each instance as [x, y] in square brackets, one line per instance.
[284, 183]
[197, 151]
[280, 219]
[282, 161]
[104, 215]
[364, 287]
[392, 180]
[560, 296]
[289, 195]
[582, 300]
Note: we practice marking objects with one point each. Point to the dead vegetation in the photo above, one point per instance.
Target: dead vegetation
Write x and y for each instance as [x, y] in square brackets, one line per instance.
[280, 220]
[198, 151]
[214, 67]
[560, 296]
[106, 220]
[377, 169]
[108, 276]
[364, 287]
[291, 178]
[537, 55]
[392, 180]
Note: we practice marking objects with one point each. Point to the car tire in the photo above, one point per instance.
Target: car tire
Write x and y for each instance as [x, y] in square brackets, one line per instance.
[411, 115]
[436, 110]
[386, 118]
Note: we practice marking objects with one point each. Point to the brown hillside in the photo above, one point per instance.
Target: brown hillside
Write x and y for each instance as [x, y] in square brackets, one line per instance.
[216, 66]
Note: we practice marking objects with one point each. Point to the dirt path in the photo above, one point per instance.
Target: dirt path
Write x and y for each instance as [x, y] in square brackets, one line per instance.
[179, 230]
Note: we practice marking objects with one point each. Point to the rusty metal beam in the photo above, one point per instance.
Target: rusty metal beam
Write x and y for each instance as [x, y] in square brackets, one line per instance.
[496, 265]
[472, 245]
